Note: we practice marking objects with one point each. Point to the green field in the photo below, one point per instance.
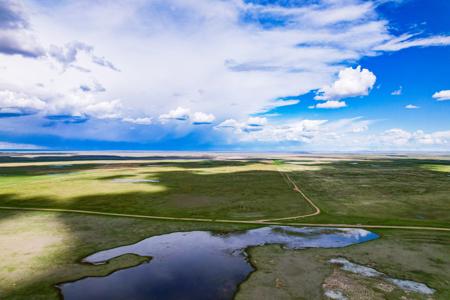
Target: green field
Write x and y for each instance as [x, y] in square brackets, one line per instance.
[40, 249]
[382, 191]
[300, 274]
[205, 189]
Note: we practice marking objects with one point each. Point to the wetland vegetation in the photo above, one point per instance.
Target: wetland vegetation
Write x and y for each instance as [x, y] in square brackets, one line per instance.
[41, 249]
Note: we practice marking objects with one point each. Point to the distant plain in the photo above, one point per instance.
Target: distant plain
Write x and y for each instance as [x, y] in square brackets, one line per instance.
[349, 189]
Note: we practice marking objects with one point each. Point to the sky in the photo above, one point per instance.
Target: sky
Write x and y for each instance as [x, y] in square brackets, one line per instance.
[234, 75]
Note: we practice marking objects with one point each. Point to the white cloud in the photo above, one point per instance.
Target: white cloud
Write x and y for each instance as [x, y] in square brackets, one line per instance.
[253, 124]
[19, 43]
[402, 138]
[139, 121]
[183, 114]
[350, 83]
[183, 53]
[442, 95]
[202, 118]
[76, 103]
[194, 52]
[279, 103]
[15, 146]
[256, 121]
[104, 109]
[397, 92]
[331, 104]
[407, 41]
[20, 102]
[344, 134]
[411, 106]
[303, 131]
[230, 123]
[180, 113]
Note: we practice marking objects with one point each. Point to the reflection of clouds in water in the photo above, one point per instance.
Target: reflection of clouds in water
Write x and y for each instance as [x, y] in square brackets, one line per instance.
[355, 268]
[406, 285]
[290, 237]
[181, 260]
[412, 286]
[355, 232]
[298, 238]
[335, 295]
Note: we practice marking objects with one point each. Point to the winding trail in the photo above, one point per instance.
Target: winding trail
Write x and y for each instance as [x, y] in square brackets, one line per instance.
[250, 222]
[273, 221]
[298, 190]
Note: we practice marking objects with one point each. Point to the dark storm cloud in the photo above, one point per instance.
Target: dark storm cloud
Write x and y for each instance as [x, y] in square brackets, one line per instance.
[12, 44]
[10, 16]
[14, 38]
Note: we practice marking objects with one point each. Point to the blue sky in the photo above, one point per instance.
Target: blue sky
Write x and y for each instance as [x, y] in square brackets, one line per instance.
[324, 75]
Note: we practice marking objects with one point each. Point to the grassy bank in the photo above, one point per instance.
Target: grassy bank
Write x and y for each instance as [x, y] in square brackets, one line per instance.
[301, 274]
[38, 250]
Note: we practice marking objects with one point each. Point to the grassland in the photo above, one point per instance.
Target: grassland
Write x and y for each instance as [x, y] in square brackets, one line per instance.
[207, 189]
[382, 191]
[301, 274]
[40, 249]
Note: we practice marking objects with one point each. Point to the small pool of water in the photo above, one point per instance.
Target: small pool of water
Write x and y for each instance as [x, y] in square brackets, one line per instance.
[406, 285]
[198, 264]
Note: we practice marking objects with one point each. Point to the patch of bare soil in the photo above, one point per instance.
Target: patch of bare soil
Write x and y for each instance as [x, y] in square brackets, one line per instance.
[26, 243]
[350, 287]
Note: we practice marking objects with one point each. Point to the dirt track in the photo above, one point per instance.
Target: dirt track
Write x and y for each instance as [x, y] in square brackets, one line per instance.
[288, 180]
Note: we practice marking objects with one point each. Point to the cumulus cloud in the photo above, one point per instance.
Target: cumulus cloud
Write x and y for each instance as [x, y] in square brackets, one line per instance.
[343, 134]
[254, 66]
[350, 83]
[184, 114]
[105, 109]
[443, 95]
[182, 54]
[401, 137]
[331, 104]
[180, 114]
[74, 104]
[199, 118]
[411, 106]
[19, 103]
[303, 131]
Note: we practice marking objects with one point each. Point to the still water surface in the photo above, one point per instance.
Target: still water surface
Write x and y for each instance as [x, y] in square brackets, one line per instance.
[198, 264]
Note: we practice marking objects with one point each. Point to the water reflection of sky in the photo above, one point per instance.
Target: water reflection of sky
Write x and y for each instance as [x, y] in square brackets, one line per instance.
[198, 264]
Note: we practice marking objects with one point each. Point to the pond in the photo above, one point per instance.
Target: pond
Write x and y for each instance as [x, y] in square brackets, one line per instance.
[198, 264]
